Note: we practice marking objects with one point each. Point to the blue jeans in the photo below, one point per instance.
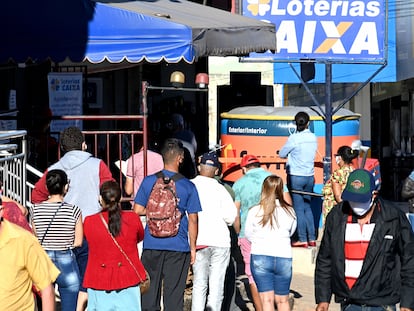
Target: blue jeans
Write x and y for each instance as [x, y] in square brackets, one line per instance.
[272, 273]
[81, 254]
[209, 271]
[352, 307]
[302, 206]
[68, 280]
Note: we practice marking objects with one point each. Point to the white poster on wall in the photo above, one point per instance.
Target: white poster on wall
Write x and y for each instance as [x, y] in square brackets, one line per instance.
[65, 98]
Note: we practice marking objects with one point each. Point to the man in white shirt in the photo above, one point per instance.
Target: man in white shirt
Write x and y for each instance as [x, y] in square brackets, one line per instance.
[213, 241]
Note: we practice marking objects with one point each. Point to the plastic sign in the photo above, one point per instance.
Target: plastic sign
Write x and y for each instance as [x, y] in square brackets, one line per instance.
[343, 30]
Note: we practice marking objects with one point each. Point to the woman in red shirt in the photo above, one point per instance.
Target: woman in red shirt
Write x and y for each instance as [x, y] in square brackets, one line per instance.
[114, 270]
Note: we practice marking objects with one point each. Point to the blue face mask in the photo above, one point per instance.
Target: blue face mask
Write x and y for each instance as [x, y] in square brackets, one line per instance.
[360, 209]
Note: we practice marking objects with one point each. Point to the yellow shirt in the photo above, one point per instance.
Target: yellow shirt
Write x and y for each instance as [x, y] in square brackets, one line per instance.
[23, 262]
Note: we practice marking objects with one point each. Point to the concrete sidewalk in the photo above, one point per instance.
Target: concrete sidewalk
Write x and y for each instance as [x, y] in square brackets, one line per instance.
[302, 285]
[302, 288]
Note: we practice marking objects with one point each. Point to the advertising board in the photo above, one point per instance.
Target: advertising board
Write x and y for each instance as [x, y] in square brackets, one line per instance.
[342, 31]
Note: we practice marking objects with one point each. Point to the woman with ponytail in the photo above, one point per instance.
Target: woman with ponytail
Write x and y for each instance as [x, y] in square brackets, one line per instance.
[114, 270]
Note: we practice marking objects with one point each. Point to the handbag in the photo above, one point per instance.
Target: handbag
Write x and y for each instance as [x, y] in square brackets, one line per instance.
[143, 284]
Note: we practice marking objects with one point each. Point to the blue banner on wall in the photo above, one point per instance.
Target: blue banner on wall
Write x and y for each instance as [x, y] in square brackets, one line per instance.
[343, 31]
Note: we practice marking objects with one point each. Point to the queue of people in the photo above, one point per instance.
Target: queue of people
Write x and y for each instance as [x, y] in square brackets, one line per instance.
[87, 245]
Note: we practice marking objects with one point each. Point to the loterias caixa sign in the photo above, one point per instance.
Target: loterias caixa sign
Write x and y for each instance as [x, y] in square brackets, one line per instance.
[352, 31]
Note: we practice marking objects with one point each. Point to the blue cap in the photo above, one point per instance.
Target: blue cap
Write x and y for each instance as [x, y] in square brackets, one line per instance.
[210, 158]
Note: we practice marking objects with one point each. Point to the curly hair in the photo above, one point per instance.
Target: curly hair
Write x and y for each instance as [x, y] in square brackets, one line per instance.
[71, 138]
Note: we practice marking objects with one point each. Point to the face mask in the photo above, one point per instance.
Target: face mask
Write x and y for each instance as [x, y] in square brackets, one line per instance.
[338, 159]
[360, 209]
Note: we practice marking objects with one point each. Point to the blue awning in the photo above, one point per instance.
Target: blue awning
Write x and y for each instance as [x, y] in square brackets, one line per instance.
[117, 34]
[133, 31]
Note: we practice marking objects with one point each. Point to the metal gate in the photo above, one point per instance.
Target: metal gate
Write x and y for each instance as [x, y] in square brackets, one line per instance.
[13, 176]
[18, 177]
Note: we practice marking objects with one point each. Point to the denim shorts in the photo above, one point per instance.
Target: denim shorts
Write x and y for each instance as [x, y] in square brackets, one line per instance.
[272, 273]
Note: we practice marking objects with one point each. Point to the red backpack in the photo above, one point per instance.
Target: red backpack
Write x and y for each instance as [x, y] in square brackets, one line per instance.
[163, 215]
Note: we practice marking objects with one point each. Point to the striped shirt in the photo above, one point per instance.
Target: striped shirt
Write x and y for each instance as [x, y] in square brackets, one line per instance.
[61, 233]
[357, 238]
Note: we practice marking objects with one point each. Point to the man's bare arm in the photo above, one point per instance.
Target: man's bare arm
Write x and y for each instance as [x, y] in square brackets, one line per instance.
[193, 233]
[236, 224]
[129, 186]
[48, 298]
[139, 209]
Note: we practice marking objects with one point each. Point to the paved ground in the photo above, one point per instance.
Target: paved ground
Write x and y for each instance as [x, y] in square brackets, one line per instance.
[302, 295]
[303, 290]
[302, 287]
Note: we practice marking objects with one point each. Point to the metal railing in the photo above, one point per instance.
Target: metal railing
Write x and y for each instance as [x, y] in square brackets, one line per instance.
[13, 161]
[30, 185]
[109, 146]
[18, 177]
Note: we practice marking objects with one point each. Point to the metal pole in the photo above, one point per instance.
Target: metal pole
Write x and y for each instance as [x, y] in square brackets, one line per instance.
[327, 161]
[144, 124]
[23, 188]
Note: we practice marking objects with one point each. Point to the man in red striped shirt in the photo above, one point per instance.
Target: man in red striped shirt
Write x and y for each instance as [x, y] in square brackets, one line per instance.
[366, 257]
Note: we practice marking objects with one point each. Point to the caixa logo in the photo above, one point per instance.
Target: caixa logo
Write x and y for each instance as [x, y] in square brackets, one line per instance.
[324, 29]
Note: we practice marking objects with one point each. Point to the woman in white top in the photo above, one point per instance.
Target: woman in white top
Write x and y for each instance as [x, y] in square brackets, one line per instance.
[269, 227]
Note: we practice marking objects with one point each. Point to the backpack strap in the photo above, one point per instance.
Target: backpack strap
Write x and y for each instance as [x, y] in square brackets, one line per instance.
[175, 177]
[160, 174]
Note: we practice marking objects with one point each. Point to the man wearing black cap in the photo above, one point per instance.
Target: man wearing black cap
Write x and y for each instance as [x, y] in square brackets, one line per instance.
[366, 257]
[213, 240]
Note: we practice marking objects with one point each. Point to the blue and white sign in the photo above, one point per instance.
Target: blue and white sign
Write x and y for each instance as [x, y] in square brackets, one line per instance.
[65, 98]
[337, 30]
